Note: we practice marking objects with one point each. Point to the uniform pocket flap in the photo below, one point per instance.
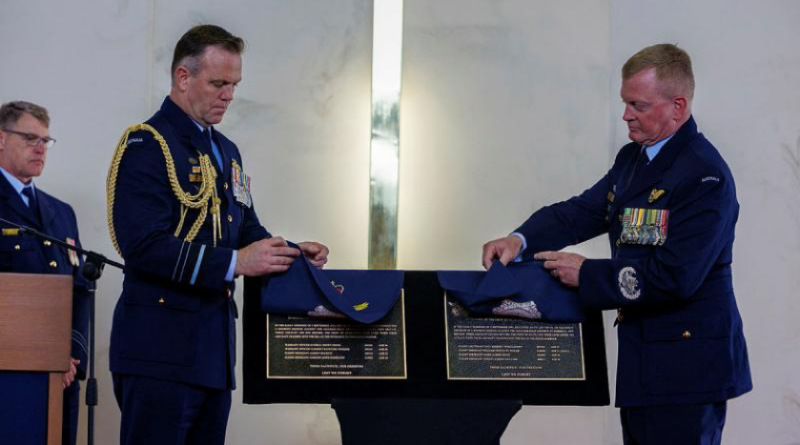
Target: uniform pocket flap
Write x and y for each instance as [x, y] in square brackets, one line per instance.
[686, 330]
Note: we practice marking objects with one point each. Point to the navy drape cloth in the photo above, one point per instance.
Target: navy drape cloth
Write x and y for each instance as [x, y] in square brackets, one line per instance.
[524, 290]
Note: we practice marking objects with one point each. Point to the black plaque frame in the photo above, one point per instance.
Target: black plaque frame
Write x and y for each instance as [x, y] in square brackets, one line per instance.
[426, 360]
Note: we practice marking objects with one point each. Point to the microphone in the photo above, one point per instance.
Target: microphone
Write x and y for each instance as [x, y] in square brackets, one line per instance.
[93, 265]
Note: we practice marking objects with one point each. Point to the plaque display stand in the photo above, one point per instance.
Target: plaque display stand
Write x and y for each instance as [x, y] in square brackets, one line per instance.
[423, 421]
[430, 402]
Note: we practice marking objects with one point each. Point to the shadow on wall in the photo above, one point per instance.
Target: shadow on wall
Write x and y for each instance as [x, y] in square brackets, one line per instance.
[792, 157]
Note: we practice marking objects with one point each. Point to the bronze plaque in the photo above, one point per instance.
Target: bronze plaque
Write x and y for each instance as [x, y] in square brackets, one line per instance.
[497, 348]
[325, 348]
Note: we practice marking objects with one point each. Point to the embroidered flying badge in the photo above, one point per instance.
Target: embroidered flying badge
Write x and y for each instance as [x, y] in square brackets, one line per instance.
[655, 195]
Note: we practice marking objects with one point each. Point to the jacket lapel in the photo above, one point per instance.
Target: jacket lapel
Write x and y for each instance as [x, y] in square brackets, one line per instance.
[46, 210]
[226, 161]
[187, 130]
[651, 173]
[16, 204]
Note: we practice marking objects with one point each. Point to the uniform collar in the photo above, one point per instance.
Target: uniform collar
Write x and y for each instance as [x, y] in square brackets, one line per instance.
[653, 150]
[654, 171]
[186, 128]
[184, 124]
[16, 183]
[10, 186]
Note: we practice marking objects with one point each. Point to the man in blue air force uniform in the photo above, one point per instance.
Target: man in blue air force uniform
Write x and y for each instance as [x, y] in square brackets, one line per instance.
[24, 142]
[669, 207]
[182, 217]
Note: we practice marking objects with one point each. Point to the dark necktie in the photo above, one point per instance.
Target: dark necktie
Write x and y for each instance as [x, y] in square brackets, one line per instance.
[641, 158]
[32, 204]
[214, 149]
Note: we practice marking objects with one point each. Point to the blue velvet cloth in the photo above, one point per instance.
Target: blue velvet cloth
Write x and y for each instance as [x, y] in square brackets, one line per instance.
[524, 290]
[365, 296]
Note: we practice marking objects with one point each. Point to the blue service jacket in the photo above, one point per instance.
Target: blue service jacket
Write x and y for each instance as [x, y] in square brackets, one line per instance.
[24, 253]
[175, 317]
[680, 332]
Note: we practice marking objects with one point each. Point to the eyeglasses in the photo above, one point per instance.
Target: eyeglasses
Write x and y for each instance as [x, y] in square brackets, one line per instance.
[33, 139]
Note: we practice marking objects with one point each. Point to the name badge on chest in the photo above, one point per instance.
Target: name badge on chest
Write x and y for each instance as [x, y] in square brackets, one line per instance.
[241, 185]
[644, 226]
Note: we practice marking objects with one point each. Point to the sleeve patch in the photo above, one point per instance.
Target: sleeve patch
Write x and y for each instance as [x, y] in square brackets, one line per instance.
[629, 283]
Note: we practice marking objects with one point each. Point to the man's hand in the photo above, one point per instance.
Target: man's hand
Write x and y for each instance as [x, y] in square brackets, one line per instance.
[68, 377]
[271, 255]
[504, 249]
[316, 253]
[563, 265]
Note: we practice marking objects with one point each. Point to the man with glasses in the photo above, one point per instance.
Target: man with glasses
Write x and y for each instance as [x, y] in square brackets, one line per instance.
[24, 143]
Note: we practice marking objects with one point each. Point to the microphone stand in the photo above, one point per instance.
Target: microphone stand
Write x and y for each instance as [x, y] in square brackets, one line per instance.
[92, 270]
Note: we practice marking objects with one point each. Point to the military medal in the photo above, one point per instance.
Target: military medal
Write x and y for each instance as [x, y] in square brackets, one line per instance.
[241, 185]
[644, 226]
[73, 255]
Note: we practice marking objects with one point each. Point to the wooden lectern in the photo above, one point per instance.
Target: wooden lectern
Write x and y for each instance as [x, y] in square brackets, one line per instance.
[35, 328]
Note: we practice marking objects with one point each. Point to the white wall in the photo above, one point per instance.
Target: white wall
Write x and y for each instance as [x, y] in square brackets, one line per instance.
[507, 105]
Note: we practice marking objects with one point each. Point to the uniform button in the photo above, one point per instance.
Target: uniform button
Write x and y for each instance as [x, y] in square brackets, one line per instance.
[229, 293]
[53, 264]
[225, 186]
[47, 243]
[17, 247]
[230, 218]
[686, 335]
[618, 243]
[620, 316]
[161, 300]
[620, 218]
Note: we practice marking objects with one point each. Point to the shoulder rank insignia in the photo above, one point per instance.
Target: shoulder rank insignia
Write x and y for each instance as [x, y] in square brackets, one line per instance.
[644, 226]
[611, 196]
[11, 232]
[241, 185]
[655, 195]
[73, 255]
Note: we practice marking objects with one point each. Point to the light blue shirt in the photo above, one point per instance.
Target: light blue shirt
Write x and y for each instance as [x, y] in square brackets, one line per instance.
[232, 267]
[17, 184]
[652, 152]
